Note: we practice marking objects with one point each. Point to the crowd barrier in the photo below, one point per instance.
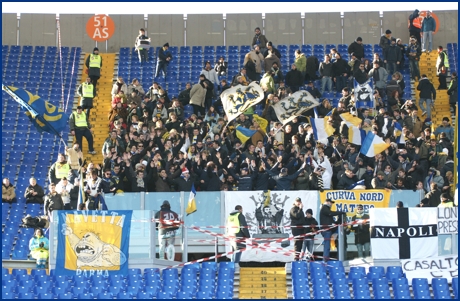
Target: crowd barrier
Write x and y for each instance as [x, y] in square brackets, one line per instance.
[204, 230]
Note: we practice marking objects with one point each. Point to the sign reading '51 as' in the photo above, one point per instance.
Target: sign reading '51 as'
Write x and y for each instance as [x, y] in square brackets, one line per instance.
[100, 28]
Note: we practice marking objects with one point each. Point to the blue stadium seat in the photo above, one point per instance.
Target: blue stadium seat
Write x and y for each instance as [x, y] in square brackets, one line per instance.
[46, 296]
[361, 288]
[105, 295]
[85, 296]
[26, 295]
[204, 295]
[394, 272]
[455, 287]
[440, 288]
[8, 295]
[380, 288]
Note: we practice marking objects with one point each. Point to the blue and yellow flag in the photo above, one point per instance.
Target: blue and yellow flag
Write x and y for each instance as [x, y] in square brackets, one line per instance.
[93, 242]
[44, 116]
[399, 134]
[244, 134]
[191, 205]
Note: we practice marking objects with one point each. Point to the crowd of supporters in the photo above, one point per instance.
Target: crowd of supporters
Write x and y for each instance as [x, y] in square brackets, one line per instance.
[152, 146]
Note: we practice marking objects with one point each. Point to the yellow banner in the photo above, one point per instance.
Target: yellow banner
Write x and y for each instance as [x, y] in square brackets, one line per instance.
[347, 200]
[93, 242]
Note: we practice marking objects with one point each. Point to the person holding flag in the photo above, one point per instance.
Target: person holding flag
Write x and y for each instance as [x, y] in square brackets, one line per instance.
[167, 222]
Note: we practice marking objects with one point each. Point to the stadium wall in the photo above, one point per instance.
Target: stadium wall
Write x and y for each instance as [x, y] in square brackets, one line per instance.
[217, 29]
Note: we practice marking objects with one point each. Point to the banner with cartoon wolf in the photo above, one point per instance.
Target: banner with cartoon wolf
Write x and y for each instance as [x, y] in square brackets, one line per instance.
[238, 99]
[93, 242]
[364, 94]
[267, 216]
[294, 105]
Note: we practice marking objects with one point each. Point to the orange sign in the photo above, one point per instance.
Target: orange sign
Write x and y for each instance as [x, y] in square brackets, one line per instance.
[436, 19]
[100, 28]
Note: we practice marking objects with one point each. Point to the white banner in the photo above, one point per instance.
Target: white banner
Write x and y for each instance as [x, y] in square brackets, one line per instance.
[294, 105]
[238, 99]
[448, 220]
[433, 267]
[404, 233]
[258, 215]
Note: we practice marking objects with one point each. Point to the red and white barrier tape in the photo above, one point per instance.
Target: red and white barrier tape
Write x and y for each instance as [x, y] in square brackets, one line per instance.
[264, 247]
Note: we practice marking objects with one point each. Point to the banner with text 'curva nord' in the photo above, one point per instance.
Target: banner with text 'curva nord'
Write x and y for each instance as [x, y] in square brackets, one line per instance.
[93, 242]
[347, 200]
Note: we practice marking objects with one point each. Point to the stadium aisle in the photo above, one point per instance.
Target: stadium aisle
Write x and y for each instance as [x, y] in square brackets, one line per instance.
[441, 105]
[262, 283]
[102, 101]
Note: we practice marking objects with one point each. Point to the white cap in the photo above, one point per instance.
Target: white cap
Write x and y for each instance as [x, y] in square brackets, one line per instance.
[144, 163]
[445, 150]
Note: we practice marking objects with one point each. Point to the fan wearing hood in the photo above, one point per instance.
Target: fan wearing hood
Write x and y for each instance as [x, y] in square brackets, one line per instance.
[415, 26]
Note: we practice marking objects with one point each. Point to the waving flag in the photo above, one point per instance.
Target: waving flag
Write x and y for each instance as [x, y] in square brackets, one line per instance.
[238, 99]
[321, 129]
[373, 145]
[191, 206]
[350, 119]
[355, 134]
[399, 134]
[364, 95]
[294, 105]
[263, 123]
[244, 134]
[44, 116]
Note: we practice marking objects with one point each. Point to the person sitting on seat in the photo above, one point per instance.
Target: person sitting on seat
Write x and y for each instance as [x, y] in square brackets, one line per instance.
[39, 248]
[8, 193]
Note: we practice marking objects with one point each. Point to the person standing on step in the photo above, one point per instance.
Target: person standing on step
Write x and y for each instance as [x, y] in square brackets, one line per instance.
[39, 248]
[415, 26]
[259, 39]
[94, 65]
[362, 232]
[164, 57]
[87, 92]
[166, 223]
[428, 28]
[80, 127]
[142, 45]
[297, 221]
[442, 68]
[453, 91]
[308, 243]
[326, 219]
[427, 95]
[238, 229]
[413, 53]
